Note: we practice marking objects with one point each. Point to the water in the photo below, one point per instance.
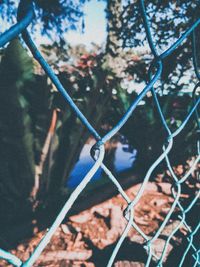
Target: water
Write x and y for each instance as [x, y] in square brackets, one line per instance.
[124, 158]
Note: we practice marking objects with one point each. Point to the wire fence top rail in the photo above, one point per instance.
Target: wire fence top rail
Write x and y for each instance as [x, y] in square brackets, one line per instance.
[25, 17]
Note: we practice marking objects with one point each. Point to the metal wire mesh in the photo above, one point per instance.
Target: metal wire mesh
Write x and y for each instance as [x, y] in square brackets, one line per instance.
[25, 16]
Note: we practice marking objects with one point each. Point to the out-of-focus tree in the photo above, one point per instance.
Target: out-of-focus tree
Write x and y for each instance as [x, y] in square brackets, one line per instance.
[55, 16]
[168, 20]
[94, 81]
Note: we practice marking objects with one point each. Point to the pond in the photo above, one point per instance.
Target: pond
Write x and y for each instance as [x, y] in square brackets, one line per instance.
[124, 158]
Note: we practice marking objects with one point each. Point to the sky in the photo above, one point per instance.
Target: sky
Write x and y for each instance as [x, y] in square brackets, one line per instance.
[95, 25]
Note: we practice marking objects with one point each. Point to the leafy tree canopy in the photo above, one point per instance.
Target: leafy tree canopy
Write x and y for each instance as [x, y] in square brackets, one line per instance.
[56, 16]
[167, 20]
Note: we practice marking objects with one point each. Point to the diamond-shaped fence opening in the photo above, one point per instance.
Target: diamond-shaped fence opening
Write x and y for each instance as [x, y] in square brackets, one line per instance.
[25, 16]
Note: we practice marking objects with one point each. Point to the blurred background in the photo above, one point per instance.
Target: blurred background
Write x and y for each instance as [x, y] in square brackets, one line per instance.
[100, 53]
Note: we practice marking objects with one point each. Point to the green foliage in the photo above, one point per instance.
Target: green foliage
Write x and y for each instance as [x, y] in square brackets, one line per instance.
[94, 81]
[146, 133]
[16, 65]
[16, 138]
[29, 100]
[55, 16]
[168, 20]
[97, 92]
[39, 97]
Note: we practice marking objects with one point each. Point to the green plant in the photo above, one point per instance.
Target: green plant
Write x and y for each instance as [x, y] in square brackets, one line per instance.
[17, 167]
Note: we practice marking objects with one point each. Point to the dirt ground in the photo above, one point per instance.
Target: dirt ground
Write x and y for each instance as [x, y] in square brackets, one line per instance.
[88, 238]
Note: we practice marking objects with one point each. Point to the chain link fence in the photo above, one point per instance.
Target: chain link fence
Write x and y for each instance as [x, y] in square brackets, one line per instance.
[25, 16]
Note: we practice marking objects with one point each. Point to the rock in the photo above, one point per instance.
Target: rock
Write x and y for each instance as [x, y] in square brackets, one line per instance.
[117, 224]
[170, 227]
[159, 202]
[81, 218]
[65, 229]
[67, 255]
[158, 246]
[128, 264]
[165, 188]
[150, 186]
[137, 238]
